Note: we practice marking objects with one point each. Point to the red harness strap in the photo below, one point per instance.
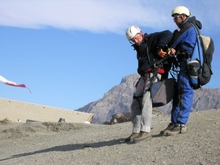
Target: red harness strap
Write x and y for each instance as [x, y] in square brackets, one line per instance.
[161, 70]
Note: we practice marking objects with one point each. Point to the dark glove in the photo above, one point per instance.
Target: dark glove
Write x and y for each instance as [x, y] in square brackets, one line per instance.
[185, 54]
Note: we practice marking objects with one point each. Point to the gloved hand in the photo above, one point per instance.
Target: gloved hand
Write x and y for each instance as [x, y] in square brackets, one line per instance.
[161, 53]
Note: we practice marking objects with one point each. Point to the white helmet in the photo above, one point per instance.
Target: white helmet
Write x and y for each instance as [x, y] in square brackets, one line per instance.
[132, 31]
[181, 10]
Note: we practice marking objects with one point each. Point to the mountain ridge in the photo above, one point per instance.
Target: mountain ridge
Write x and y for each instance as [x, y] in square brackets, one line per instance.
[118, 100]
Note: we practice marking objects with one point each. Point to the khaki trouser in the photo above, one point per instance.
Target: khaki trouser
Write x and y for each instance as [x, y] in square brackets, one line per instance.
[141, 107]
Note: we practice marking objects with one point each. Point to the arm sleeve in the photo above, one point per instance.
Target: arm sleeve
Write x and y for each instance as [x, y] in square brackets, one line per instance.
[186, 41]
[163, 39]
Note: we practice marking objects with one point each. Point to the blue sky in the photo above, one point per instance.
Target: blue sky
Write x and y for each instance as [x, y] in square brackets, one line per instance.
[69, 53]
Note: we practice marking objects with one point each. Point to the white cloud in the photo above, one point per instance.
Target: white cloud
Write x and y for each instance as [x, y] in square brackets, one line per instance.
[100, 15]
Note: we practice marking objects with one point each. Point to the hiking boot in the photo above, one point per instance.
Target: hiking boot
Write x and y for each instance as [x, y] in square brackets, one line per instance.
[167, 130]
[178, 129]
[131, 137]
[142, 136]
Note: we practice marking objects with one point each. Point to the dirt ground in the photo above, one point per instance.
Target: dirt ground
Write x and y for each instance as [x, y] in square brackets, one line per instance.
[71, 143]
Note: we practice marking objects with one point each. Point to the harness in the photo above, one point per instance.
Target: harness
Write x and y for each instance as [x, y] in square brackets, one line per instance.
[152, 71]
[154, 67]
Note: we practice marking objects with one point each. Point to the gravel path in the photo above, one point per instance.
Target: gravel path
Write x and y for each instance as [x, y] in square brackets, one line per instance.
[70, 144]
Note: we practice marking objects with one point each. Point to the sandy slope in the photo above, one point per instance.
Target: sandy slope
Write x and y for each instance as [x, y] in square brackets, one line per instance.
[69, 143]
[23, 111]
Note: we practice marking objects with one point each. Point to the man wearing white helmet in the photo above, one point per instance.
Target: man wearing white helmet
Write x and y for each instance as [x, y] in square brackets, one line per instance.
[150, 48]
[182, 45]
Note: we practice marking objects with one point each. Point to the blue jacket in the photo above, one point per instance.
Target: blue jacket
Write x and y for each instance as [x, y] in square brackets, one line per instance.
[184, 38]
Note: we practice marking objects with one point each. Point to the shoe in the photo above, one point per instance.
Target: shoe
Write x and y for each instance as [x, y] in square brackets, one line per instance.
[167, 130]
[174, 130]
[131, 137]
[179, 129]
[183, 129]
[142, 136]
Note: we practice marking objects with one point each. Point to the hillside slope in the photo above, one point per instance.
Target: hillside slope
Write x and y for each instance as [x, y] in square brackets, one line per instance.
[118, 100]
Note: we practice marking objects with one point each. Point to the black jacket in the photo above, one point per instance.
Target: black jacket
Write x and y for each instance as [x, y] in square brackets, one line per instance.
[154, 42]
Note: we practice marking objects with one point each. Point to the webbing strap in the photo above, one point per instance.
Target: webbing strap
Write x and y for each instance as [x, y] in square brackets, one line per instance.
[147, 51]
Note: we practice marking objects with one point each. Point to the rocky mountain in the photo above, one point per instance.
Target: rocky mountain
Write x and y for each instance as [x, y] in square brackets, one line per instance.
[118, 100]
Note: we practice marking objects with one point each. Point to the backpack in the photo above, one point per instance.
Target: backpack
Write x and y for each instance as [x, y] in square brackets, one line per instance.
[199, 64]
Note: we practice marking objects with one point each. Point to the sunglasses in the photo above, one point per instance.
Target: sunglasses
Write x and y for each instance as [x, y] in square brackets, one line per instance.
[176, 17]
